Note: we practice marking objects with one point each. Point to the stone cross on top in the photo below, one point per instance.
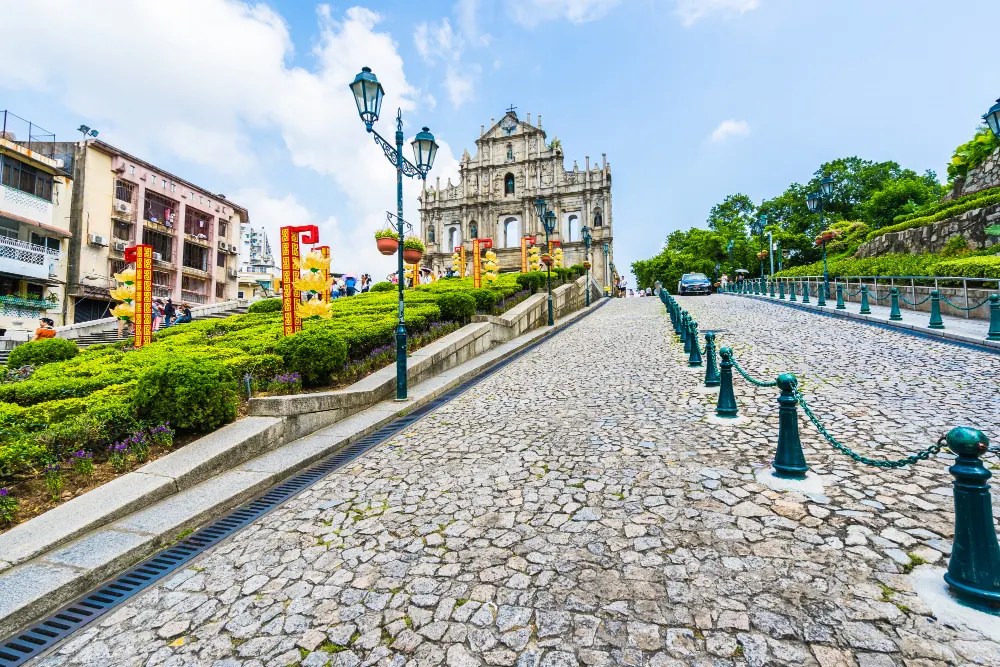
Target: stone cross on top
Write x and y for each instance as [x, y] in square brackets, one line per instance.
[512, 109]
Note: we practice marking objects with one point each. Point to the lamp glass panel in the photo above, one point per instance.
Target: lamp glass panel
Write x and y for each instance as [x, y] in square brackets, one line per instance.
[540, 208]
[993, 120]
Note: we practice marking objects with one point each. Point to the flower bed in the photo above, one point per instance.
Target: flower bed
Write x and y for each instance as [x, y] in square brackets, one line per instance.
[107, 393]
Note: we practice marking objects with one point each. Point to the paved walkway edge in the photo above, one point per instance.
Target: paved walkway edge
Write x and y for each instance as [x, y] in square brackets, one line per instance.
[943, 334]
[30, 591]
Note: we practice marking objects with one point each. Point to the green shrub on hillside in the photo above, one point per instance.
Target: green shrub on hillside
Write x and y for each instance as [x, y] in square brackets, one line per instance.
[36, 353]
[457, 306]
[930, 264]
[943, 214]
[192, 395]
[314, 353]
[384, 286]
[486, 299]
[265, 306]
[971, 267]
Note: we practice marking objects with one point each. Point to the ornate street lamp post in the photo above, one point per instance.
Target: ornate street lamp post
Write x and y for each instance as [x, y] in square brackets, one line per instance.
[817, 200]
[548, 219]
[758, 228]
[607, 270]
[587, 238]
[368, 94]
[992, 118]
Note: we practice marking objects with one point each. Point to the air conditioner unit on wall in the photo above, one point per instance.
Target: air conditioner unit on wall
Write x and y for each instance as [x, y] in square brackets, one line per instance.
[97, 239]
[120, 246]
[223, 246]
[158, 256]
[123, 207]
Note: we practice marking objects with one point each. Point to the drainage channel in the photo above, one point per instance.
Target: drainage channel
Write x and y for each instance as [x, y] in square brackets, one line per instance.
[38, 638]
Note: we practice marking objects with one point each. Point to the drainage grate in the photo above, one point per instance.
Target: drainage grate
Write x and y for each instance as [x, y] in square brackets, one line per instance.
[30, 643]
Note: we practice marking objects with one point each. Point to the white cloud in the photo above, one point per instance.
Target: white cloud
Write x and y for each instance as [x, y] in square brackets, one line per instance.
[437, 41]
[691, 11]
[458, 81]
[530, 13]
[730, 128]
[203, 89]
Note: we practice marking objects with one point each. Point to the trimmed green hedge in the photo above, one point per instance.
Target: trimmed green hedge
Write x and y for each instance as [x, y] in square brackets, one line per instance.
[189, 374]
[36, 353]
[265, 306]
[974, 266]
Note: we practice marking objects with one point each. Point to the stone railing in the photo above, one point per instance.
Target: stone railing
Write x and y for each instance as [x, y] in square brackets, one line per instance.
[72, 331]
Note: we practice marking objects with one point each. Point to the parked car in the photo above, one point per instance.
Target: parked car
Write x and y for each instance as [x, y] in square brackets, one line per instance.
[694, 283]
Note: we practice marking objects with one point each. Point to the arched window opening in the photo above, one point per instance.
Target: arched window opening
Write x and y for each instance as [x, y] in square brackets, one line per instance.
[508, 184]
[511, 233]
[453, 237]
[571, 226]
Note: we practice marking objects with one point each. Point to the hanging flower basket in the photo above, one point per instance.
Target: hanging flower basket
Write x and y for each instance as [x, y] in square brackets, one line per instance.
[586, 266]
[413, 250]
[387, 241]
[547, 259]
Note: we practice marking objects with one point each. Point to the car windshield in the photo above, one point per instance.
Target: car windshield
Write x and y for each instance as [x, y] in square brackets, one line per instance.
[691, 277]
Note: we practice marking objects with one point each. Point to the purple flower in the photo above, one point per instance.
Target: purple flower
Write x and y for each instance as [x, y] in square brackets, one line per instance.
[3, 492]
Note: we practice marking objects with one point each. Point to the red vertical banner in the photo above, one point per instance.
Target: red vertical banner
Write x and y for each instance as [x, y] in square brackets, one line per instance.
[525, 240]
[324, 250]
[290, 256]
[142, 255]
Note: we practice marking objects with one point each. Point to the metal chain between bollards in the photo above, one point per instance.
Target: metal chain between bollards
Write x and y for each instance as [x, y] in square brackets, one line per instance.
[911, 303]
[981, 303]
[876, 297]
[749, 379]
[850, 294]
[878, 463]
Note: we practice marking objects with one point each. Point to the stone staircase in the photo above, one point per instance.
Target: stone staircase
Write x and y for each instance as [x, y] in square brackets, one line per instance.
[110, 334]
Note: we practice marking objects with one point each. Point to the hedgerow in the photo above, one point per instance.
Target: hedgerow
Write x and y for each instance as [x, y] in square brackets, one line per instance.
[105, 392]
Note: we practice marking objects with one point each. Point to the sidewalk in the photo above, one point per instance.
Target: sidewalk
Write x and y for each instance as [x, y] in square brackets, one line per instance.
[957, 329]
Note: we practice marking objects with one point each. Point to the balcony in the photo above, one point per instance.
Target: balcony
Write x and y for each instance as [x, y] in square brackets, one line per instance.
[21, 258]
[197, 240]
[29, 207]
[194, 297]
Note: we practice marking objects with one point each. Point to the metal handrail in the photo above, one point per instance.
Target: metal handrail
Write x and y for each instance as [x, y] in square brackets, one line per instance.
[965, 280]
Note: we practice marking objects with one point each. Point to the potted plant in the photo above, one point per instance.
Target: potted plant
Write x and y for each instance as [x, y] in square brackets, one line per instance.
[413, 250]
[547, 259]
[387, 241]
[586, 266]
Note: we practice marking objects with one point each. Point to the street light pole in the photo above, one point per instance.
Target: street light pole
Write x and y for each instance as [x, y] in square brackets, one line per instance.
[770, 249]
[586, 257]
[817, 201]
[548, 219]
[607, 271]
[368, 94]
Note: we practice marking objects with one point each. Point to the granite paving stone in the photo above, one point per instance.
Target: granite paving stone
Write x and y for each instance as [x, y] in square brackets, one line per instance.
[578, 508]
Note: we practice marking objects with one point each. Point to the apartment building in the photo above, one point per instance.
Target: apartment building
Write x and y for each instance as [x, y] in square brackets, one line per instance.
[35, 195]
[120, 200]
[260, 277]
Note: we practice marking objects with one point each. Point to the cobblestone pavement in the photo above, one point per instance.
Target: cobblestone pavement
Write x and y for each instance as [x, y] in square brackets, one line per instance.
[578, 508]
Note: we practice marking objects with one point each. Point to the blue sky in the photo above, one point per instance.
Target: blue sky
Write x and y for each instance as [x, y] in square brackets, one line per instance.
[690, 99]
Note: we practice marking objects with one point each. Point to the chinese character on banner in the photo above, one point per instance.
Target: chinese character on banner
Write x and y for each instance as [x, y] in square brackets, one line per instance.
[477, 261]
[525, 242]
[290, 297]
[142, 255]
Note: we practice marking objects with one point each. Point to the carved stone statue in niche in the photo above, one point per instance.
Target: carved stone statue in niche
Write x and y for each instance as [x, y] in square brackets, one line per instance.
[510, 153]
[430, 233]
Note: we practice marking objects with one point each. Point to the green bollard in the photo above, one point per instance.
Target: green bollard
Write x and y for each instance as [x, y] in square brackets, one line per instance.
[711, 369]
[821, 295]
[840, 297]
[894, 313]
[694, 359]
[791, 291]
[682, 325]
[771, 283]
[789, 461]
[865, 308]
[805, 292]
[994, 332]
[781, 290]
[686, 332]
[726, 406]
[755, 288]
[974, 569]
[936, 321]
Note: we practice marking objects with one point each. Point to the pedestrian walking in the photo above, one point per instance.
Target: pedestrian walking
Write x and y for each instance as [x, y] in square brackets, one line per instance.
[169, 313]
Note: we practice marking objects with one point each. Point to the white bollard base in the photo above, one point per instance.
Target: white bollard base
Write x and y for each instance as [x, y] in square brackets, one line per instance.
[813, 483]
[727, 421]
[930, 586]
